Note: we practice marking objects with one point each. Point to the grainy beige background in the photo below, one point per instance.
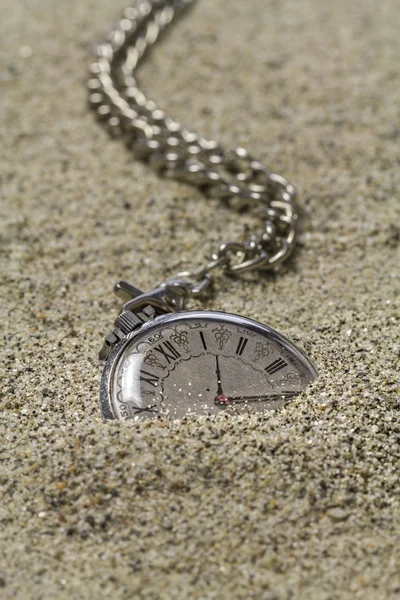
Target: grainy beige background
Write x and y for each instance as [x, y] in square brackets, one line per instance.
[298, 504]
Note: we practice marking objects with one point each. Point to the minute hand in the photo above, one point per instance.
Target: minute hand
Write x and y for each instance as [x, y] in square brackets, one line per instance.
[243, 399]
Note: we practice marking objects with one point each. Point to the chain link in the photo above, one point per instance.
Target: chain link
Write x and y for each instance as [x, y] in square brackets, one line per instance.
[233, 176]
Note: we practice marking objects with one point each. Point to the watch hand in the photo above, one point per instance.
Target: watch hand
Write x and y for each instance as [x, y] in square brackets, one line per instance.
[227, 400]
[218, 373]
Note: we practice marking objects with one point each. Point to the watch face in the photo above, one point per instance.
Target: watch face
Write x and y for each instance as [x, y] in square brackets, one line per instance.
[202, 363]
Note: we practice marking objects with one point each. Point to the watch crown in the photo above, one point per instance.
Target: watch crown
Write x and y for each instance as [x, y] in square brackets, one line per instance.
[127, 322]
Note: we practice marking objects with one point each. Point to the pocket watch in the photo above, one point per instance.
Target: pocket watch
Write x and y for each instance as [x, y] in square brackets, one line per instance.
[163, 360]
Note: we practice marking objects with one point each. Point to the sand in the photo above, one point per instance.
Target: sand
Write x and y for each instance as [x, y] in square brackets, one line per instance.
[296, 504]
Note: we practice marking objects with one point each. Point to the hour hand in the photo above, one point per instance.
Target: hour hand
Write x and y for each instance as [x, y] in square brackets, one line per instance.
[220, 392]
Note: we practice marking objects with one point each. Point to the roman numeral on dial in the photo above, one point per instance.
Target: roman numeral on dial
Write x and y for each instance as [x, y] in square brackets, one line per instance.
[275, 366]
[149, 378]
[169, 352]
[203, 341]
[241, 345]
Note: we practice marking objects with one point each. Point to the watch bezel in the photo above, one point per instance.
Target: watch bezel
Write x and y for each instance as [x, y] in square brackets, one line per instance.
[106, 403]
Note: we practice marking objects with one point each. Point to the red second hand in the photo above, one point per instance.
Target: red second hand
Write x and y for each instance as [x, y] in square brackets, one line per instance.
[223, 399]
